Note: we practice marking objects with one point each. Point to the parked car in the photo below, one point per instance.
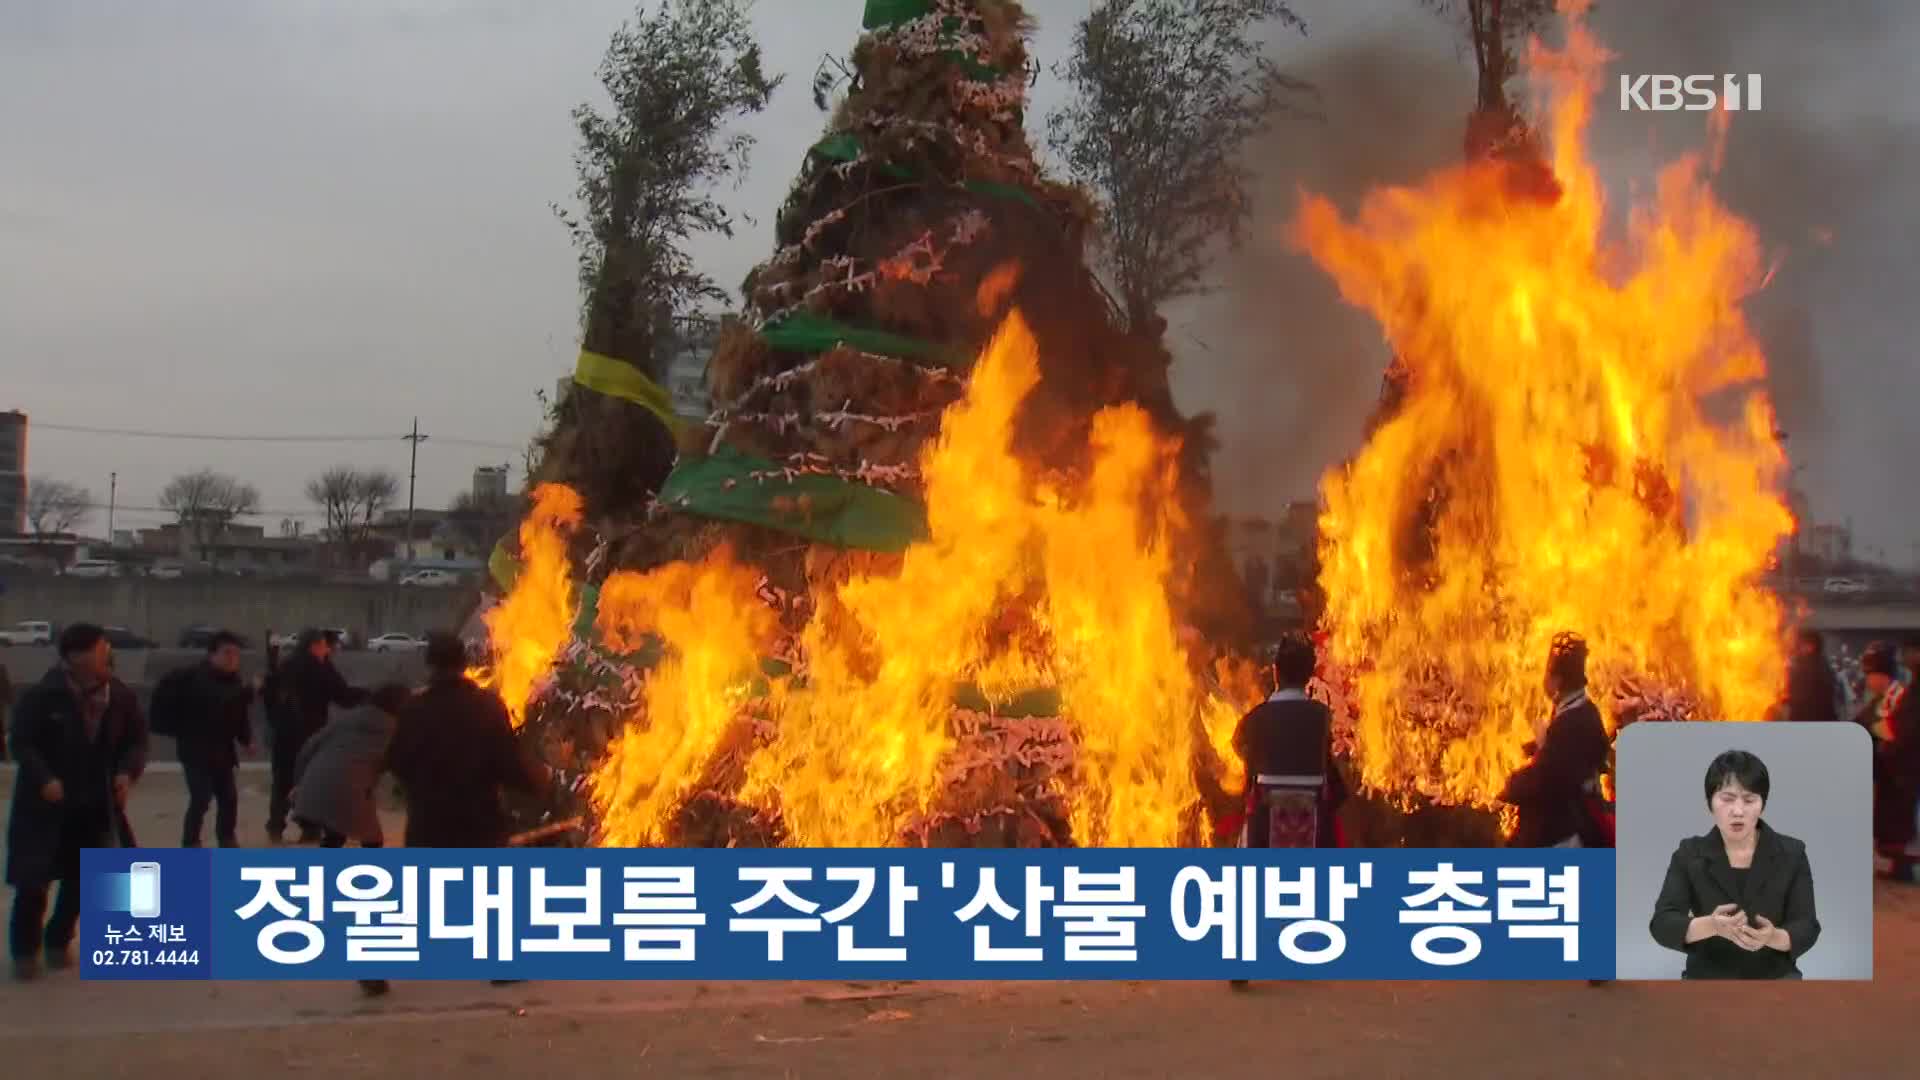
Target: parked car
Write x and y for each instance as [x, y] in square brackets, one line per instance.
[30, 632]
[167, 571]
[200, 635]
[430, 579]
[1843, 585]
[93, 568]
[122, 638]
[395, 642]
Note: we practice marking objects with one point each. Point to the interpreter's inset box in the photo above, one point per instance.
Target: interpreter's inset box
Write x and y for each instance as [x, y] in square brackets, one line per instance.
[1744, 851]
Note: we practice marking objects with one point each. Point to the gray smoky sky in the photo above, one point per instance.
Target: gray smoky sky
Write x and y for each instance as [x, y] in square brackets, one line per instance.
[330, 216]
[1826, 174]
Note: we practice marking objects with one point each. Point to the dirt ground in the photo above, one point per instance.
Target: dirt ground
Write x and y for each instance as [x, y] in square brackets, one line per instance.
[62, 1026]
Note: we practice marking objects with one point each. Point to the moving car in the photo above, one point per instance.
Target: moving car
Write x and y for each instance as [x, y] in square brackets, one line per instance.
[93, 568]
[30, 632]
[395, 642]
[122, 638]
[200, 635]
[430, 579]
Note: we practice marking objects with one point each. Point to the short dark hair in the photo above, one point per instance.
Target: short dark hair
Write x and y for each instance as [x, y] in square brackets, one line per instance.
[1878, 660]
[311, 635]
[391, 697]
[80, 637]
[446, 652]
[1911, 641]
[221, 640]
[1739, 767]
[1294, 660]
[1810, 636]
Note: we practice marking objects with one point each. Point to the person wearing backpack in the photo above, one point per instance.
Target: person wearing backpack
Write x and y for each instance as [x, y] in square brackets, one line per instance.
[205, 708]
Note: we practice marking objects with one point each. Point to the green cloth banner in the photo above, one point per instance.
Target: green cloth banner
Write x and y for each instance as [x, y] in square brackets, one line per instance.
[616, 378]
[882, 13]
[823, 508]
[846, 147]
[805, 332]
[504, 568]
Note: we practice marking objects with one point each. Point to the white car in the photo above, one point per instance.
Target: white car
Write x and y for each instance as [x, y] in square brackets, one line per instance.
[1846, 585]
[430, 579]
[30, 632]
[93, 568]
[167, 572]
[395, 643]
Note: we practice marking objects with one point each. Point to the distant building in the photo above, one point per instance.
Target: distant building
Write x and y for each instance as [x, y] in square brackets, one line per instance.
[13, 472]
[490, 484]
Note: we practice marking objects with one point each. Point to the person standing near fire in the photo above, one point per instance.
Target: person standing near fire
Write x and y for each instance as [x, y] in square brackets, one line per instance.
[1558, 789]
[306, 687]
[1896, 811]
[81, 742]
[1286, 749]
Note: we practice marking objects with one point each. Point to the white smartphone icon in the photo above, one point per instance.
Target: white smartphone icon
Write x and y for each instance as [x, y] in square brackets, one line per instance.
[143, 892]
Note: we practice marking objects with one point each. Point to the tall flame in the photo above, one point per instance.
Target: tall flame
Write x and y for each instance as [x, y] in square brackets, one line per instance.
[1021, 581]
[530, 627]
[1583, 445]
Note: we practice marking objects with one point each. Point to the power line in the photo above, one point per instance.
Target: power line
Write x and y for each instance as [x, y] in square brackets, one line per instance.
[194, 436]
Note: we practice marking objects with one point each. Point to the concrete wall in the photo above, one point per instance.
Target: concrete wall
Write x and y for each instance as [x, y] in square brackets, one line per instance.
[161, 609]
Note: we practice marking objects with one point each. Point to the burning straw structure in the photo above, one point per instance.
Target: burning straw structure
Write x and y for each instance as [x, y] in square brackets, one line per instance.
[920, 577]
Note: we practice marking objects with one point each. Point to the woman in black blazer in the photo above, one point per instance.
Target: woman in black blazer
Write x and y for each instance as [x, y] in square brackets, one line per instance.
[1738, 900]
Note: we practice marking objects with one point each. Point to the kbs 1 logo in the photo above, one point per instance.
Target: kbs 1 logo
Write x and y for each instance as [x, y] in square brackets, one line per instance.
[1693, 93]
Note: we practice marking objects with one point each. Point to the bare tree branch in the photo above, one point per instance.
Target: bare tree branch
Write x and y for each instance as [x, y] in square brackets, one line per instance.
[206, 502]
[55, 507]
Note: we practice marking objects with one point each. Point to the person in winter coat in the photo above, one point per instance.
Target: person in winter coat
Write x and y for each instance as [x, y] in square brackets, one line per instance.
[455, 752]
[214, 723]
[1897, 772]
[306, 686]
[1813, 694]
[81, 742]
[339, 769]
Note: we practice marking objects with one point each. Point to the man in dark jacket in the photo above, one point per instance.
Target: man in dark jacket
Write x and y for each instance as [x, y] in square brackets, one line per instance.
[454, 752]
[306, 686]
[1552, 791]
[214, 722]
[1285, 744]
[81, 742]
[1813, 694]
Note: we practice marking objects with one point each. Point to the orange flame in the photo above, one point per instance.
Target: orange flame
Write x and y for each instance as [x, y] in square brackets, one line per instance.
[715, 631]
[528, 630]
[1565, 458]
[1020, 583]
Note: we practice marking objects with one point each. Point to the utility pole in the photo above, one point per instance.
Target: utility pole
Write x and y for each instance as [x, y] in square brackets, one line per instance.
[413, 470]
[113, 492]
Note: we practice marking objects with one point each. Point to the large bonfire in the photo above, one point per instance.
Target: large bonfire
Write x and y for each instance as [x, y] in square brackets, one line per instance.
[922, 575]
[921, 578]
[1580, 440]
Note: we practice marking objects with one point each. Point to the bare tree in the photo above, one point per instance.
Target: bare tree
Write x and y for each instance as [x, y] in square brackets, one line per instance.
[55, 506]
[351, 499]
[206, 502]
[374, 491]
[1166, 95]
[334, 493]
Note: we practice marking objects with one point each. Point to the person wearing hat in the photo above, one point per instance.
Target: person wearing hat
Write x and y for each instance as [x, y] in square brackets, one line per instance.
[1555, 790]
[307, 686]
[1286, 747]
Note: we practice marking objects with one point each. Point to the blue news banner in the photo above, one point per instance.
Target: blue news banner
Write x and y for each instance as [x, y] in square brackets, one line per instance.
[844, 914]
